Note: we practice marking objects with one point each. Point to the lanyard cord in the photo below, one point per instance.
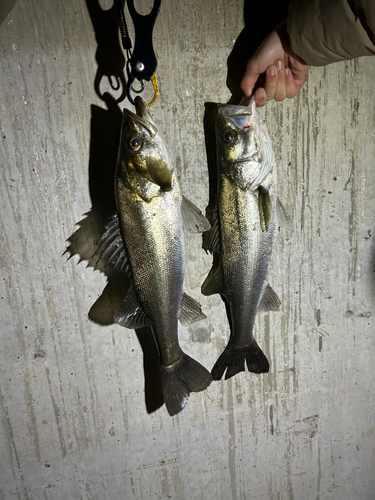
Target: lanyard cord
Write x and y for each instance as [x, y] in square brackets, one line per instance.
[124, 32]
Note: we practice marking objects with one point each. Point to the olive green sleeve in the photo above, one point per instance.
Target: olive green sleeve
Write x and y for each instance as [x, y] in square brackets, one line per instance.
[326, 31]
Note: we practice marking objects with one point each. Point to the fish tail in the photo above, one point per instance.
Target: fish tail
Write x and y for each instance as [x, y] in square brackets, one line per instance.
[232, 360]
[180, 379]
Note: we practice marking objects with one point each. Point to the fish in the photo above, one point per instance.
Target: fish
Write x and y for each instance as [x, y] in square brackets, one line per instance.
[243, 233]
[145, 241]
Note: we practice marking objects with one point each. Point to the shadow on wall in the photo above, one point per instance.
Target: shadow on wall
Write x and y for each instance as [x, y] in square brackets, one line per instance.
[5, 7]
[104, 142]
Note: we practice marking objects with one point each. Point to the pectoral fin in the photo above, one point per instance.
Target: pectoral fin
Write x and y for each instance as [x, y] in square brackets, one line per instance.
[130, 314]
[265, 208]
[193, 221]
[190, 310]
[283, 217]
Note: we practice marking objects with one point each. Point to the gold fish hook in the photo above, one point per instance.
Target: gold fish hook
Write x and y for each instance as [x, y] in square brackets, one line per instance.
[154, 82]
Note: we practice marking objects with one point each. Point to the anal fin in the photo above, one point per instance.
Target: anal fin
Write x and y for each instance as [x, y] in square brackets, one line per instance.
[130, 314]
[269, 301]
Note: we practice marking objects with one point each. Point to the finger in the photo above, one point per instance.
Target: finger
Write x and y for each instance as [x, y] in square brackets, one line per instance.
[280, 93]
[260, 97]
[271, 82]
[290, 86]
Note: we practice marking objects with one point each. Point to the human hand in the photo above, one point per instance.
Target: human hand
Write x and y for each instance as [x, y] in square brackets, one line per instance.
[274, 70]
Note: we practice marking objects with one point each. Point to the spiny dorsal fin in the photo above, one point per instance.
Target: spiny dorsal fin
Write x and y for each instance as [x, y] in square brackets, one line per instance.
[130, 314]
[190, 310]
[193, 221]
[111, 246]
[270, 300]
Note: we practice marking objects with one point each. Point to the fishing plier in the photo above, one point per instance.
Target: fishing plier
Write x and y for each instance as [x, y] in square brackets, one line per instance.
[142, 62]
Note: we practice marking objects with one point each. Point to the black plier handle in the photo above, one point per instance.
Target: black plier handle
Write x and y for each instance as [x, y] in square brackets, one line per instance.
[143, 61]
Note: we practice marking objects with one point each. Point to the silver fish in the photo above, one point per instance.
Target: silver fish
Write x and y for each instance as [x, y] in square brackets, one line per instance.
[243, 233]
[146, 240]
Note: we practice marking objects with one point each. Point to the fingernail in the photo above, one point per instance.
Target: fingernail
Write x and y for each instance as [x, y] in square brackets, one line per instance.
[286, 71]
[279, 65]
[271, 70]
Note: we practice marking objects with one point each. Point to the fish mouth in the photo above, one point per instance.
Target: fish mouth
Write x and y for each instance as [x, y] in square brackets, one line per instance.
[152, 166]
[234, 110]
[142, 112]
[159, 171]
[142, 116]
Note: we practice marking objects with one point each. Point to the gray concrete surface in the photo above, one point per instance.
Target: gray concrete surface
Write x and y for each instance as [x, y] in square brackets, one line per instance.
[74, 423]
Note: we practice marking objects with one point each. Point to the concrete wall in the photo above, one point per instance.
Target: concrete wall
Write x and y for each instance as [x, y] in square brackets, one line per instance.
[73, 415]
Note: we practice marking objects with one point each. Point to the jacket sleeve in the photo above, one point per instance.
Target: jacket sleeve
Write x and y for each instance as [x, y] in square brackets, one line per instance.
[326, 31]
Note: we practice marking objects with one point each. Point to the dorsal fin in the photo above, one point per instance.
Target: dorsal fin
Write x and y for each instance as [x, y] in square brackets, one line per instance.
[111, 246]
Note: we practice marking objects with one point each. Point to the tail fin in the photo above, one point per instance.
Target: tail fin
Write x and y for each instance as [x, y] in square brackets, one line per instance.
[233, 361]
[180, 379]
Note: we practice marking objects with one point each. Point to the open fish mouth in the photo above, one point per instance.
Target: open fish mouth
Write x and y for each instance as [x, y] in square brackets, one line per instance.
[141, 108]
[143, 114]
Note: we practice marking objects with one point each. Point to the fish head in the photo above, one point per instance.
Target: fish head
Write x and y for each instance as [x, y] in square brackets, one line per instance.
[244, 154]
[143, 157]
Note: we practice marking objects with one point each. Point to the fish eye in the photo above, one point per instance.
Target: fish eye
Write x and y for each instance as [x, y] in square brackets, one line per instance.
[229, 136]
[135, 143]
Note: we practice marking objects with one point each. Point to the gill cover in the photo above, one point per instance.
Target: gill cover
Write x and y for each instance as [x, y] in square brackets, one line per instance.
[143, 161]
